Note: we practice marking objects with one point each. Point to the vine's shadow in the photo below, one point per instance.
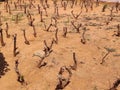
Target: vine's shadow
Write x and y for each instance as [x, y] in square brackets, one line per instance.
[3, 0]
[3, 65]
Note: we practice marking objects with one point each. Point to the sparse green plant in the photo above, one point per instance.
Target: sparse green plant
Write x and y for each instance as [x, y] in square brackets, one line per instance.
[5, 18]
[17, 17]
[110, 49]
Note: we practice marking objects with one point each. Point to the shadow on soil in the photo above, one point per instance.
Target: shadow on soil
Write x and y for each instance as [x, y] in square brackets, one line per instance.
[3, 65]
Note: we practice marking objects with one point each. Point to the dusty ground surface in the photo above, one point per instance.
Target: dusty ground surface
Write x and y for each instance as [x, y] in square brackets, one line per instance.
[90, 74]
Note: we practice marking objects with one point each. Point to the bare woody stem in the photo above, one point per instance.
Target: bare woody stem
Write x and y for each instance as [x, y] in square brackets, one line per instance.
[38, 8]
[9, 9]
[15, 48]
[6, 6]
[62, 3]
[65, 5]
[25, 9]
[35, 34]
[73, 1]
[54, 21]
[76, 27]
[26, 41]
[48, 27]
[31, 5]
[111, 14]
[56, 11]
[63, 83]
[115, 85]
[48, 49]
[83, 40]
[44, 25]
[118, 32]
[56, 36]
[84, 3]
[46, 2]
[51, 45]
[0, 19]
[15, 5]
[74, 67]
[46, 46]
[61, 71]
[1, 36]
[64, 31]
[75, 16]
[97, 2]
[41, 63]
[30, 19]
[117, 6]
[6, 30]
[20, 77]
[103, 59]
[41, 16]
[45, 11]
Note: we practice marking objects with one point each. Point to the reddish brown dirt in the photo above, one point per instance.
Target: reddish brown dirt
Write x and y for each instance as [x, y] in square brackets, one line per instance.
[90, 74]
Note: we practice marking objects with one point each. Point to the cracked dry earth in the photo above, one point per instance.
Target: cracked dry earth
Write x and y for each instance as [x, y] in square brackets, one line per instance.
[90, 74]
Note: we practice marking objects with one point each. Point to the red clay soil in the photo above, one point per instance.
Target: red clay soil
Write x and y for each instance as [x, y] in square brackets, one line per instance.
[100, 38]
